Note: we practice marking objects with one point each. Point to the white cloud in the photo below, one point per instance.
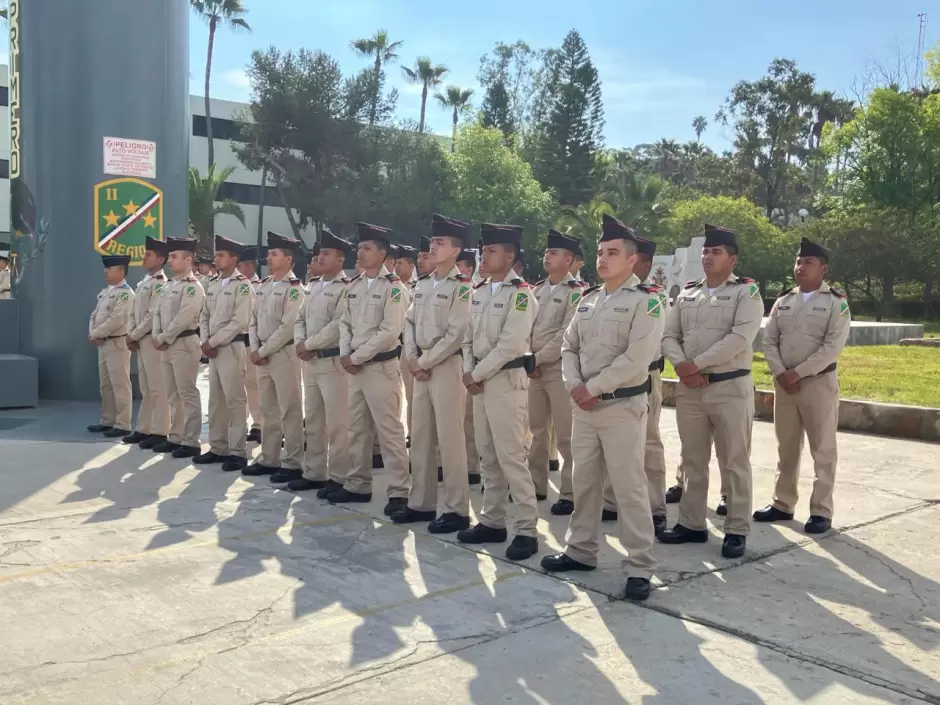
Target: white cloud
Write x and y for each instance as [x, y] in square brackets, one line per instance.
[237, 78]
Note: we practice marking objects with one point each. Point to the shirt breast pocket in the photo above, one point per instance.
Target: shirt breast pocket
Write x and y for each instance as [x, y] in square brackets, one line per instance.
[719, 314]
[816, 321]
[438, 312]
[494, 323]
[689, 313]
[375, 308]
[615, 329]
[586, 328]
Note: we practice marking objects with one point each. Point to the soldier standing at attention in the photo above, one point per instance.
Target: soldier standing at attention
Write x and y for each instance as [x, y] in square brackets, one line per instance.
[225, 316]
[326, 384]
[153, 419]
[314, 270]
[271, 337]
[549, 403]
[203, 269]
[248, 266]
[708, 339]
[807, 330]
[434, 330]
[107, 330]
[466, 265]
[425, 260]
[616, 331]
[5, 276]
[372, 323]
[406, 263]
[176, 335]
[495, 352]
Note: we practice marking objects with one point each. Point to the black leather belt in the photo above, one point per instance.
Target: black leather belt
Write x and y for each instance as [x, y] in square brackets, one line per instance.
[458, 351]
[115, 337]
[519, 362]
[829, 368]
[241, 338]
[325, 353]
[385, 356]
[712, 377]
[187, 333]
[659, 365]
[627, 392]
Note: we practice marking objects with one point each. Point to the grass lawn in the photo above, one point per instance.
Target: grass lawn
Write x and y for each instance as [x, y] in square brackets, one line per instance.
[885, 373]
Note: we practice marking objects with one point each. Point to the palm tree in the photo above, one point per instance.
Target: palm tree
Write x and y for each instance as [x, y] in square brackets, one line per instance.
[216, 12]
[204, 204]
[457, 99]
[584, 222]
[429, 76]
[635, 199]
[384, 52]
[699, 124]
[666, 154]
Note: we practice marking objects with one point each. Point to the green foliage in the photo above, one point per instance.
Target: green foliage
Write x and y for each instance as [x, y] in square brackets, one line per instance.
[383, 51]
[204, 204]
[427, 75]
[496, 110]
[512, 75]
[457, 100]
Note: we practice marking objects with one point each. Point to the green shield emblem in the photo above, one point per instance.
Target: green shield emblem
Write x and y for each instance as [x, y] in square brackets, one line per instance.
[127, 210]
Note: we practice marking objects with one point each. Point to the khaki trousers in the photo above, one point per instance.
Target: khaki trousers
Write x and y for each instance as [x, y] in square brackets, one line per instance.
[180, 369]
[114, 383]
[473, 456]
[550, 415]
[228, 425]
[282, 410]
[251, 392]
[326, 424]
[608, 442]
[500, 419]
[408, 380]
[438, 421]
[723, 411]
[154, 415]
[375, 399]
[815, 410]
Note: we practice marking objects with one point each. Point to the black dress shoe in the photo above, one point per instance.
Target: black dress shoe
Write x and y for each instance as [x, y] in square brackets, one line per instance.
[609, 515]
[331, 486]
[203, 360]
[722, 508]
[151, 441]
[733, 546]
[209, 458]
[254, 436]
[522, 547]
[303, 485]
[817, 525]
[135, 437]
[377, 461]
[411, 516]
[186, 452]
[680, 534]
[166, 447]
[554, 466]
[98, 428]
[561, 562]
[674, 494]
[563, 507]
[257, 469]
[474, 478]
[115, 433]
[638, 589]
[771, 513]
[395, 504]
[540, 497]
[344, 496]
[234, 462]
[481, 533]
[285, 475]
[440, 474]
[448, 523]
[659, 524]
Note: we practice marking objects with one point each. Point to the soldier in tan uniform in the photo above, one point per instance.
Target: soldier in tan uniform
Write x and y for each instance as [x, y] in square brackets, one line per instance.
[225, 316]
[153, 419]
[435, 327]
[6, 288]
[466, 265]
[372, 323]
[549, 403]
[176, 335]
[406, 260]
[248, 266]
[271, 337]
[406, 265]
[807, 330]
[616, 330]
[496, 359]
[425, 261]
[314, 269]
[708, 339]
[326, 384]
[203, 269]
[107, 330]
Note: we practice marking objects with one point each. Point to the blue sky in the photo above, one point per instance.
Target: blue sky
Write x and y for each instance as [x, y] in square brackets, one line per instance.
[661, 63]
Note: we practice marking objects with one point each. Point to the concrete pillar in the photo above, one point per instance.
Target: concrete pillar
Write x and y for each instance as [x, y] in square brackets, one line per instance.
[80, 72]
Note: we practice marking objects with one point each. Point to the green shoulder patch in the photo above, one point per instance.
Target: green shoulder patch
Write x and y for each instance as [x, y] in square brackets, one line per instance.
[843, 308]
[521, 302]
[190, 291]
[753, 291]
[654, 306]
[293, 294]
[158, 289]
[124, 297]
[575, 297]
[396, 295]
[463, 293]
[244, 289]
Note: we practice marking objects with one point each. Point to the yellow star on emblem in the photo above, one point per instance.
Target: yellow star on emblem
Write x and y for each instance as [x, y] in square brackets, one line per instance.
[111, 220]
[130, 208]
[150, 221]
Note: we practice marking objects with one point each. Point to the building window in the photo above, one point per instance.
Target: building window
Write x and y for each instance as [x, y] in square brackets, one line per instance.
[4, 168]
[222, 129]
[4, 96]
[248, 194]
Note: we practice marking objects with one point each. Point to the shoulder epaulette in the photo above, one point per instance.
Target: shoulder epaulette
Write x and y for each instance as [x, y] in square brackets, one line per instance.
[693, 284]
[238, 275]
[463, 278]
[649, 288]
[392, 277]
[787, 293]
[480, 284]
[521, 284]
[345, 280]
[590, 290]
[424, 276]
[125, 285]
[835, 292]
[744, 280]
[316, 279]
[583, 284]
[540, 282]
[573, 283]
[158, 275]
[266, 279]
[355, 278]
[294, 280]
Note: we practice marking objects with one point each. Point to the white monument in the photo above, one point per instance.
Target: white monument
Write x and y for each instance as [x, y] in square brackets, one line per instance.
[672, 271]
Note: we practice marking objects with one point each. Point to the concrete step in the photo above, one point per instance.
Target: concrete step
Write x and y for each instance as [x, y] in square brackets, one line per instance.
[19, 381]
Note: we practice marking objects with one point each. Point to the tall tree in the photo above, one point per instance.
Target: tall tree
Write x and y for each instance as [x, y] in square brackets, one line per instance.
[570, 132]
[699, 124]
[230, 13]
[457, 100]
[496, 111]
[428, 75]
[516, 71]
[205, 204]
[383, 52]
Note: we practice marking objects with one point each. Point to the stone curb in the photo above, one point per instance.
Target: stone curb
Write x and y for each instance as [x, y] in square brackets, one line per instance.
[895, 420]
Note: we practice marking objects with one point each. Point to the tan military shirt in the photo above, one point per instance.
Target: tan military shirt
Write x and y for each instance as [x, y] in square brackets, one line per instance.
[436, 321]
[373, 317]
[806, 336]
[557, 306]
[178, 309]
[716, 329]
[612, 338]
[145, 304]
[500, 326]
[227, 311]
[318, 320]
[5, 283]
[274, 314]
[112, 312]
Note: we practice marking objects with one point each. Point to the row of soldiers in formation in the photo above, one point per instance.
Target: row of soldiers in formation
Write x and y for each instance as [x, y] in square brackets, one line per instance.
[495, 372]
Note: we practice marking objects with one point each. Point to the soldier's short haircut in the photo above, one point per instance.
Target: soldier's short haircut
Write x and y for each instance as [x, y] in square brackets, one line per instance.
[630, 247]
